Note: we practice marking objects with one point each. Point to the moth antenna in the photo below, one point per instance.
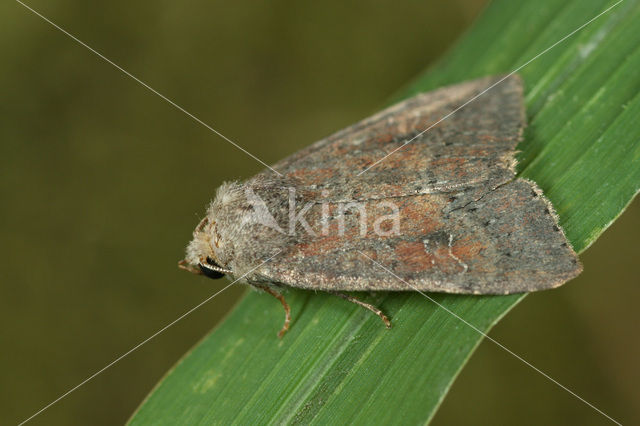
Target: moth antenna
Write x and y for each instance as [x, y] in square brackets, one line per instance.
[372, 308]
[285, 305]
[204, 222]
[212, 266]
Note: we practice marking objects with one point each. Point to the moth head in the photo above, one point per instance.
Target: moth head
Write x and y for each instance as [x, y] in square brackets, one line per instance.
[210, 251]
[201, 252]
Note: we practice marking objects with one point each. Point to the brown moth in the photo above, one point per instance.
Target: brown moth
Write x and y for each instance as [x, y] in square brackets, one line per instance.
[445, 213]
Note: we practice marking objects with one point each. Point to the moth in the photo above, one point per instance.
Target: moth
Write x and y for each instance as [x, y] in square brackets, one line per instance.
[435, 202]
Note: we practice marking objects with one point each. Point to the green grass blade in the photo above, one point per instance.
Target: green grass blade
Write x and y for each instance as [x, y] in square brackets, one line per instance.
[338, 364]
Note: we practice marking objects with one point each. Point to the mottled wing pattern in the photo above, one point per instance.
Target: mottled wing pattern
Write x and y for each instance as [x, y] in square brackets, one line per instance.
[508, 241]
[466, 226]
[472, 148]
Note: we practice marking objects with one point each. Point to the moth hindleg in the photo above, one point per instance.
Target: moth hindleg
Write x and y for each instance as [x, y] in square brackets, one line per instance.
[368, 306]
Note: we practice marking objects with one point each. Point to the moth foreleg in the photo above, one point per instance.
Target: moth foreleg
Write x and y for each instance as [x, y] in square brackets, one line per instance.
[285, 305]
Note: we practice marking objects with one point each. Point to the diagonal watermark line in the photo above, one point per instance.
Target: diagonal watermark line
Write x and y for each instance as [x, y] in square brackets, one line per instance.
[124, 355]
[501, 346]
[146, 86]
[491, 87]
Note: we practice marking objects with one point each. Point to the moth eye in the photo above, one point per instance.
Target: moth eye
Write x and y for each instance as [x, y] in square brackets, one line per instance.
[211, 262]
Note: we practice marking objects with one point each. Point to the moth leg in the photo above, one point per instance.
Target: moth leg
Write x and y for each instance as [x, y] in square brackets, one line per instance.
[372, 308]
[285, 305]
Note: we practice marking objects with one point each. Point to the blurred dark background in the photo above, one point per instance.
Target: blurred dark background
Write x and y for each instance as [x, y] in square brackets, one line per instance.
[102, 183]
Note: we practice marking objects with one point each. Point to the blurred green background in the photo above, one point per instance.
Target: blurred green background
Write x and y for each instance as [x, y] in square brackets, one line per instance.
[102, 183]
